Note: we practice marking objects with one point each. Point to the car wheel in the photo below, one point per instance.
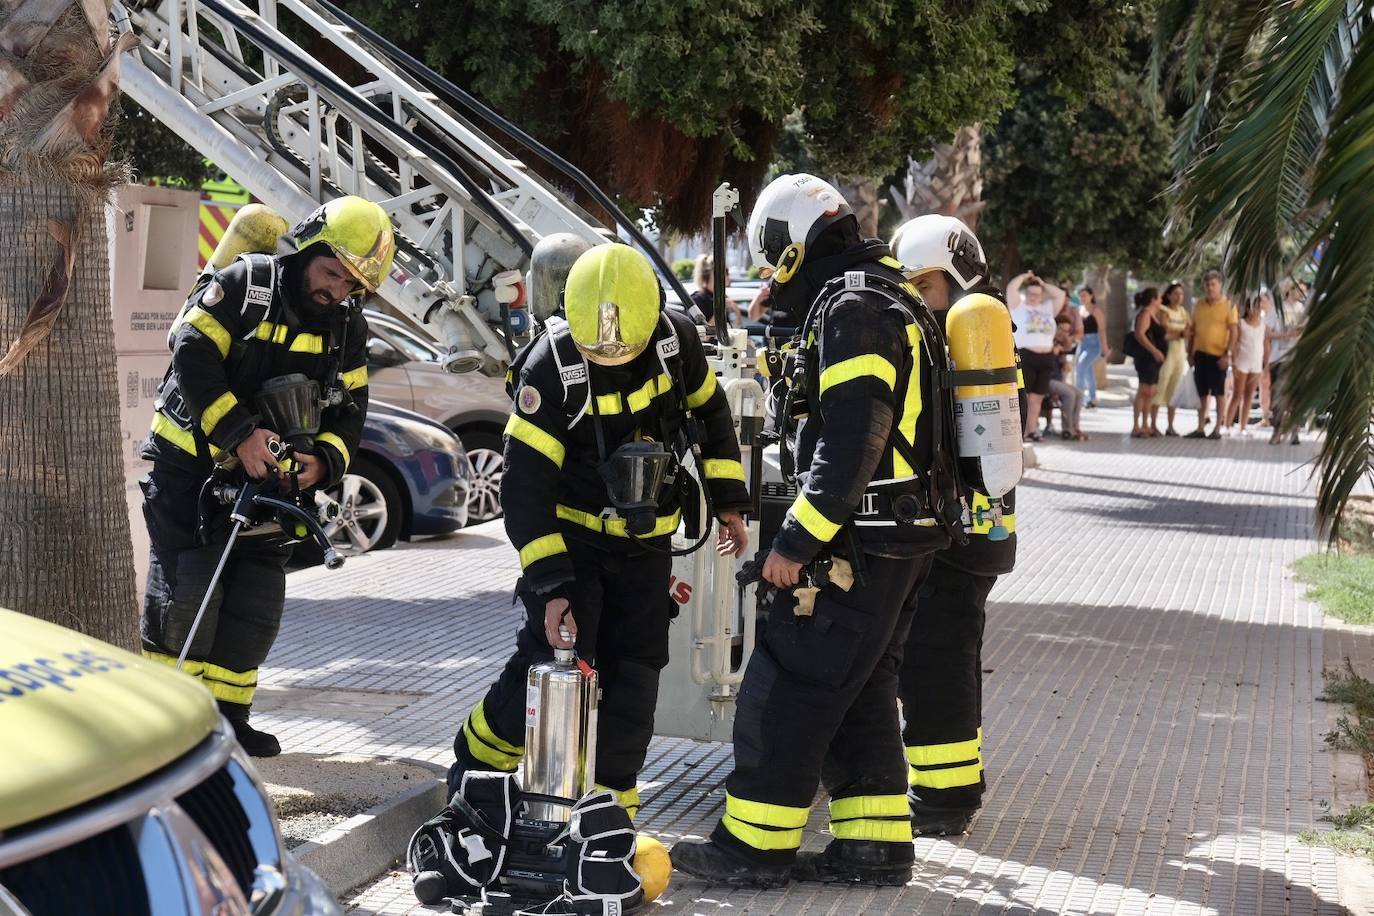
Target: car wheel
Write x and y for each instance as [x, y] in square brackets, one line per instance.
[369, 510]
[484, 452]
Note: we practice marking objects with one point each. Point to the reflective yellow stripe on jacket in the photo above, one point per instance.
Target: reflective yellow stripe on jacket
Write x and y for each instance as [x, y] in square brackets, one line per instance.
[355, 378]
[523, 430]
[638, 399]
[703, 393]
[911, 406]
[216, 411]
[208, 325]
[810, 518]
[724, 469]
[858, 367]
[174, 434]
[542, 548]
[666, 524]
[332, 439]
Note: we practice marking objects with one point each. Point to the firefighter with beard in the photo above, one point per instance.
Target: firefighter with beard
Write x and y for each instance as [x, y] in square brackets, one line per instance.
[876, 497]
[263, 317]
[942, 673]
[603, 399]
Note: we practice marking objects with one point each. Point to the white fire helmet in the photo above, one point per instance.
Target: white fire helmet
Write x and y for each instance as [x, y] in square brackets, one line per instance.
[936, 242]
[787, 218]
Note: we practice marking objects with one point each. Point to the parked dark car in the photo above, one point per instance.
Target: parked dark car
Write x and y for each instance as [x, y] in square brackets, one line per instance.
[410, 478]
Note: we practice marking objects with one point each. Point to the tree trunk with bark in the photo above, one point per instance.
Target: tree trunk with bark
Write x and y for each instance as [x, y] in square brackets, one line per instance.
[1119, 311]
[949, 183]
[65, 552]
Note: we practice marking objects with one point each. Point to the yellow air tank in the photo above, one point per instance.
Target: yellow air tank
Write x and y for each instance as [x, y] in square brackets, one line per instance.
[254, 228]
[987, 412]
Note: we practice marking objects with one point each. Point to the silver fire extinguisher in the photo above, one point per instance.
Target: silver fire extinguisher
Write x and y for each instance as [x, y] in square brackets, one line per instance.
[560, 732]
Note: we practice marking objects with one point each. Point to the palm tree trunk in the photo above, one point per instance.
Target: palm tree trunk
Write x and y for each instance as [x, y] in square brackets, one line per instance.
[949, 183]
[65, 552]
[862, 196]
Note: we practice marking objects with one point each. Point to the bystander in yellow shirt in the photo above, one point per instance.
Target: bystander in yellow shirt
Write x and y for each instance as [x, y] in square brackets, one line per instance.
[1212, 322]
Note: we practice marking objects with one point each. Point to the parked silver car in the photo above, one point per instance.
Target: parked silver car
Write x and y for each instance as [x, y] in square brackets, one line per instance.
[404, 369]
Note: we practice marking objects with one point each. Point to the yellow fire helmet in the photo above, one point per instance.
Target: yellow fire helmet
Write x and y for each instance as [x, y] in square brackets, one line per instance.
[612, 301]
[358, 232]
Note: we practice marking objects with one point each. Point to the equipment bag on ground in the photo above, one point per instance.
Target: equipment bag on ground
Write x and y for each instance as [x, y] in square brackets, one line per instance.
[465, 848]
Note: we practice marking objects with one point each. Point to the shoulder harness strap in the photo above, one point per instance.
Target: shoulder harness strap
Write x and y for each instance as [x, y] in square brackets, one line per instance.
[572, 369]
[257, 296]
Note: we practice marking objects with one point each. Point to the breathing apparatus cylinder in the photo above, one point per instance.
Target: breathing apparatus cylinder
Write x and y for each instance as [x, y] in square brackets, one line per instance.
[254, 228]
[987, 412]
[560, 733]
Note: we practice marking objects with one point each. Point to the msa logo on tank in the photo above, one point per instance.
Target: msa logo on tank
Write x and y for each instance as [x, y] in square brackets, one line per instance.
[995, 428]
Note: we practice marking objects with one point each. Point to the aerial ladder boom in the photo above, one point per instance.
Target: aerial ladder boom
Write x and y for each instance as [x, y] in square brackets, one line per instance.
[281, 121]
[228, 80]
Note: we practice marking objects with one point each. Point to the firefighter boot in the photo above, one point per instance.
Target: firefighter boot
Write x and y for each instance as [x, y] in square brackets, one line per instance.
[857, 862]
[256, 743]
[719, 865]
[931, 820]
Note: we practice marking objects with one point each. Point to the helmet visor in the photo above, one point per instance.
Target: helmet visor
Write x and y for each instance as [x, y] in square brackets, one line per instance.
[368, 269]
[610, 347]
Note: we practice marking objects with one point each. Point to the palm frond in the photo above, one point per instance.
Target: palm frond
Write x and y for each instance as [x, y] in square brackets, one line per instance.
[1257, 179]
[1207, 46]
[1330, 369]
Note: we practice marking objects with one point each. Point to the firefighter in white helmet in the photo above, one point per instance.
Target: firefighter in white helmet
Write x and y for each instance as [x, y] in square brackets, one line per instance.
[870, 461]
[942, 673]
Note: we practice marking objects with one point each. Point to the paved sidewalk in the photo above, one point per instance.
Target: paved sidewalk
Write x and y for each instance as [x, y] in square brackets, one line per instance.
[1153, 737]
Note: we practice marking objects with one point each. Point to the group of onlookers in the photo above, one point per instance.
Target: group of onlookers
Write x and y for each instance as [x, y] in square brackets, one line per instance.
[1234, 354]
[1223, 354]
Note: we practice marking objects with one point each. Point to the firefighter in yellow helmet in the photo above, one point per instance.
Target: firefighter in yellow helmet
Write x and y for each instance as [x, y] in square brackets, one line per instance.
[610, 387]
[260, 318]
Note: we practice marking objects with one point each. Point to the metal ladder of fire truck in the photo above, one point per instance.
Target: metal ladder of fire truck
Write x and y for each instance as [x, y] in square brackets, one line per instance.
[227, 79]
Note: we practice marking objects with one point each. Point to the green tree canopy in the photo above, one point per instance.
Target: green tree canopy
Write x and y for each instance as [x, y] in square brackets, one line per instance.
[1075, 173]
[660, 100]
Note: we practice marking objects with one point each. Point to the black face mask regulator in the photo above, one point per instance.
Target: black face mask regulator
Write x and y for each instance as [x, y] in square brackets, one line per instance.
[634, 475]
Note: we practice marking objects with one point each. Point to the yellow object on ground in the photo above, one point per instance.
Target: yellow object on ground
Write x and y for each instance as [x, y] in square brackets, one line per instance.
[653, 865]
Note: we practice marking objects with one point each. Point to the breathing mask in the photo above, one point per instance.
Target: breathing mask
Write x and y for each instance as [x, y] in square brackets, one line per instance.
[634, 475]
[291, 406]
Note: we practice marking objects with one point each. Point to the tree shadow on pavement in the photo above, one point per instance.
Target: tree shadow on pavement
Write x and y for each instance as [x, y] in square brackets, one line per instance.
[1138, 760]
[1152, 510]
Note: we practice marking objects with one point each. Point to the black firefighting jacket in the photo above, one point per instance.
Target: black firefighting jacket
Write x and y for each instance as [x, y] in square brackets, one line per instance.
[867, 380]
[551, 488]
[238, 329]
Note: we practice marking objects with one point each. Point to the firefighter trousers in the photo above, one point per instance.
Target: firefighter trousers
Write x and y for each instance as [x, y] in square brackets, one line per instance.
[942, 688]
[621, 606]
[241, 621]
[819, 703]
